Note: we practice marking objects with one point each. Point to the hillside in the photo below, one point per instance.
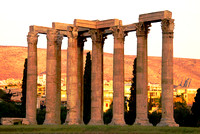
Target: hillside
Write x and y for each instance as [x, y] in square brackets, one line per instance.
[12, 64]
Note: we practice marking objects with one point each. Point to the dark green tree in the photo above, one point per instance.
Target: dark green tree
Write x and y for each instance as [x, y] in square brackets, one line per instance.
[23, 98]
[182, 113]
[196, 109]
[87, 90]
[131, 115]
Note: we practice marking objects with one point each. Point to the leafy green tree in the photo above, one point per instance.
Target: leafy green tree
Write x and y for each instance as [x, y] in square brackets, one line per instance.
[181, 113]
[87, 90]
[24, 81]
[131, 115]
[196, 109]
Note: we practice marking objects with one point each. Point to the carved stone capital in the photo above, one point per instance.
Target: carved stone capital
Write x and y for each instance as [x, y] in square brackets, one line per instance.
[142, 28]
[118, 32]
[54, 36]
[72, 32]
[96, 35]
[167, 26]
[59, 39]
[32, 38]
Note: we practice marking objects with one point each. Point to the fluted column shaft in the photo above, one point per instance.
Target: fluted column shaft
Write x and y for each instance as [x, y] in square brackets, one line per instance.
[97, 78]
[73, 100]
[31, 93]
[167, 74]
[142, 75]
[53, 69]
[118, 76]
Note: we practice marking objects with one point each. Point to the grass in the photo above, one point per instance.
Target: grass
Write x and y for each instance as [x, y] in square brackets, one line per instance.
[96, 129]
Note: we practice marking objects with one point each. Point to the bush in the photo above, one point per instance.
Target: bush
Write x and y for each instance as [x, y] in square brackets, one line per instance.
[154, 118]
[40, 116]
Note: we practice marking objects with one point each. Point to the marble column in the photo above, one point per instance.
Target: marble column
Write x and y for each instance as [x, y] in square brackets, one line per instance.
[142, 75]
[53, 93]
[73, 100]
[97, 78]
[167, 73]
[118, 76]
[31, 93]
[81, 41]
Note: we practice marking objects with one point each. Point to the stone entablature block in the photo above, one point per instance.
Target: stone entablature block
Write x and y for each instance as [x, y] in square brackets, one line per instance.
[155, 16]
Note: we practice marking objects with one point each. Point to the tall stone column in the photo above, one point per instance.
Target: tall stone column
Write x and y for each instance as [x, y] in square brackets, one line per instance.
[73, 100]
[31, 93]
[81, 41]
[97, 78]
[58, 90]
[167, 73]
[142, 75]
[54, 40]
[118, 76]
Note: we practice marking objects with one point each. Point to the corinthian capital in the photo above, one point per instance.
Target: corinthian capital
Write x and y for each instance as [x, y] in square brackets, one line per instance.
[72, 32]
[142, 28]
[59, 38]
[32, 38]
[118, 32]
[54, 36]
[96, 35]
[167, 26]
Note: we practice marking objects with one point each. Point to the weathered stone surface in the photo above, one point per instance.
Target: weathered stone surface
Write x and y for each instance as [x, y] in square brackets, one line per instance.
[53, 77]
[118, 76]
[60, 26]
[85, 23]
[108, 23]
[141, 76]
[73, 100]
[81, 41]
[31, 93]
[167, 74]
[97, 78]
[39, 29]
[155, 16]
[12, 121]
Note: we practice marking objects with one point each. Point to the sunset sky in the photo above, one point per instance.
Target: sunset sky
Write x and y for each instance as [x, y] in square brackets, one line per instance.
[17, 15]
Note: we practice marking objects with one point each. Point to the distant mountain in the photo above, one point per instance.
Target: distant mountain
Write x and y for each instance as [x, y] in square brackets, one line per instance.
[186, 71]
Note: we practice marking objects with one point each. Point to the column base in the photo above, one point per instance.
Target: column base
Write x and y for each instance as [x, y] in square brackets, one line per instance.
[95, 122]
[117, 122]
[31, 122]
[169, 123]
[142, 122]
[72, 123]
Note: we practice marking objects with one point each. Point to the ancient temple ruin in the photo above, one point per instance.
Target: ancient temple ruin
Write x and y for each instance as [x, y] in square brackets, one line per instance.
[97, 31]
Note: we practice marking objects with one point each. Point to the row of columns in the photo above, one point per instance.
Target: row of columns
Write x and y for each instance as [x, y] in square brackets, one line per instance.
[75, 73]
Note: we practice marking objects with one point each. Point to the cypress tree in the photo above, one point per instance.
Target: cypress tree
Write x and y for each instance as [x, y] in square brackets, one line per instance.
[196, 109]
[23, 98]
[132, 100]
[87, 90]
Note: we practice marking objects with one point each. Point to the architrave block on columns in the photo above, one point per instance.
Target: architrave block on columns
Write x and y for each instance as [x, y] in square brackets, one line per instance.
[31, 93]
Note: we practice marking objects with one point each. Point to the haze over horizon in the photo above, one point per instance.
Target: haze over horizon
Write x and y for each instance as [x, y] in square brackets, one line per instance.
[17, 16]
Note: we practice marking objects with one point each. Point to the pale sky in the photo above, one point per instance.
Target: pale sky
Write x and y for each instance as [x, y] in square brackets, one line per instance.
[17, 15]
